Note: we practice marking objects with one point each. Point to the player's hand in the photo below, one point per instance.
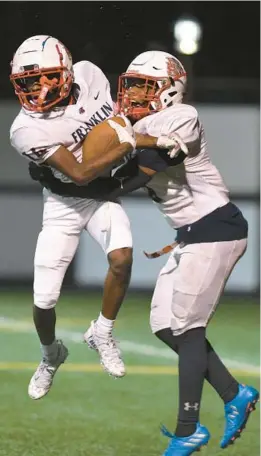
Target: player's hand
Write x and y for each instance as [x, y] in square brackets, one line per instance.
[125, 134]
[174, 143]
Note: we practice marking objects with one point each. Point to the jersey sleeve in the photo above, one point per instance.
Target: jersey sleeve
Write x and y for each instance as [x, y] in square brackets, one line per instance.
[33, 144]
[186, 123]
[181, 119]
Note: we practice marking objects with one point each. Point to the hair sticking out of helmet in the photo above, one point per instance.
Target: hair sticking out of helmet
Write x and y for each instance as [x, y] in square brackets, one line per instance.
[153, 81]
[42, 73]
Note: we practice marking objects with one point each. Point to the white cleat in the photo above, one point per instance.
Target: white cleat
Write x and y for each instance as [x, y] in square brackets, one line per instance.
[105, 345]
[41, 382]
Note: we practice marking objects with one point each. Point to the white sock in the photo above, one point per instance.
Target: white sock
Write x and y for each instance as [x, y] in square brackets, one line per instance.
[50, 352]
[104, 325]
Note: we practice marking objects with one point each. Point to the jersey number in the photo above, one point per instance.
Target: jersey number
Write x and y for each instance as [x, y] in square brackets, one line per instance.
[35, 154]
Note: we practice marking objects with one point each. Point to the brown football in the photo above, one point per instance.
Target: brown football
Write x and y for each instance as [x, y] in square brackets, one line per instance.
[101, 138]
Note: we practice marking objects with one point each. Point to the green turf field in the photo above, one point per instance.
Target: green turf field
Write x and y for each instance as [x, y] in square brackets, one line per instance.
[87, 413]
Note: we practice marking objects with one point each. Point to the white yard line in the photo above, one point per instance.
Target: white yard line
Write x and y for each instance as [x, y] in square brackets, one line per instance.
[127, 346]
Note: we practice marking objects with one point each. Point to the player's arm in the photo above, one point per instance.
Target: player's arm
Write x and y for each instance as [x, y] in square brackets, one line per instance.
[139, 171]
[102, 138]
[118, 144]
[185, 126]
[142, 141]
[85, 172]
[105, 145]
[101, 150]
[97, 189]
[171, 142]
[135, 174]
[145, 141]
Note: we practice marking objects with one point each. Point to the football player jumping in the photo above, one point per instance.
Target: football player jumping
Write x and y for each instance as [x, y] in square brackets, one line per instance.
[61, 103]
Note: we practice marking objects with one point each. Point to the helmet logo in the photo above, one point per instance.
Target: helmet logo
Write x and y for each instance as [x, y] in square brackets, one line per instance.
[174, 68]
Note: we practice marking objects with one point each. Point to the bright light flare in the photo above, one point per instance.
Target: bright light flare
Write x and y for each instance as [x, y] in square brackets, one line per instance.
[187, 34]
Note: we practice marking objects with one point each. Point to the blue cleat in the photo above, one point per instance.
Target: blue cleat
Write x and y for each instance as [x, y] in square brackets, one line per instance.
[184, 446]
[237, 413]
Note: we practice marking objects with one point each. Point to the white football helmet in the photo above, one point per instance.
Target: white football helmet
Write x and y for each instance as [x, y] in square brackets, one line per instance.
[163, 79]
[42, 73]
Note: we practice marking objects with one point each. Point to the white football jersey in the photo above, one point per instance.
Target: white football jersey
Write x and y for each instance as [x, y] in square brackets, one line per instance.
[193, 188]
[37, 136]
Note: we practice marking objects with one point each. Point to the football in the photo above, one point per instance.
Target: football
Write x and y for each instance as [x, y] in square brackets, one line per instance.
[102, 138]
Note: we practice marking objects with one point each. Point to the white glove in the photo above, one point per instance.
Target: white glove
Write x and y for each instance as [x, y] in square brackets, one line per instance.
[174, 143]
[125, 134]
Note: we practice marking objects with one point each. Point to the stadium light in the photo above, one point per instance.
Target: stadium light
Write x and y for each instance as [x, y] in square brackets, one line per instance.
[187, 34]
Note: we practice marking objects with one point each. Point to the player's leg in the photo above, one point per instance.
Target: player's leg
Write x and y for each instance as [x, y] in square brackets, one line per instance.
[54, 252]
[217, 374]
[239, 399]
[160, 318]
[208, 267]
[198, 284]
[110, 227]
[56, 246]
[116, 282]
[224, 383]
[190, 343]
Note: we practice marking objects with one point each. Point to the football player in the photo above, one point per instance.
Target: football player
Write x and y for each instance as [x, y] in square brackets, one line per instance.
[211, 238]
[61, 103]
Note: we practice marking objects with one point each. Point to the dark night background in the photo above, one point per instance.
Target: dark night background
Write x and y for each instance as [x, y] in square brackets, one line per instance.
[111, 34]
[223, 80]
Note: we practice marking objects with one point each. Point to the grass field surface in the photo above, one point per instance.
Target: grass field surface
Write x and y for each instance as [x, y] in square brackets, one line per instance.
[87, 413]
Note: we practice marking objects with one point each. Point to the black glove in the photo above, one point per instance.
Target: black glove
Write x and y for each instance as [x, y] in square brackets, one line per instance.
[39, 173]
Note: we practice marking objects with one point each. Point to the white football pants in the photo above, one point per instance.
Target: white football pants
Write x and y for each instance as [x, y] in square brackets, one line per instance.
[64, 219]
[189, 286]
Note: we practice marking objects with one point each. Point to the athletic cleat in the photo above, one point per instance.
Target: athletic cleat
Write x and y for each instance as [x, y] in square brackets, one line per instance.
[110, 355]
[237, 413]
[41, 382]
[184, 446]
